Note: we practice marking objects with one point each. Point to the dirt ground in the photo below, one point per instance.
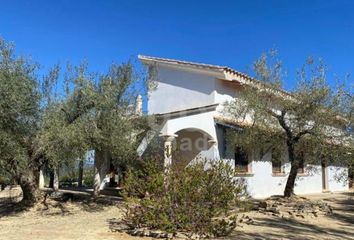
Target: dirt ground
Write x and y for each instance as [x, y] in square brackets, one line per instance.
[339, 225]
[90, 221]
[79, 219]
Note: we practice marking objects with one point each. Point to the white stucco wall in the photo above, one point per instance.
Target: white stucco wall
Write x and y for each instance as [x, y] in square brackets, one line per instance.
[211, 154]
[179, 89]
[262, 183]
[184, 88]
[337, 179]
[225, 91]
[203, 121]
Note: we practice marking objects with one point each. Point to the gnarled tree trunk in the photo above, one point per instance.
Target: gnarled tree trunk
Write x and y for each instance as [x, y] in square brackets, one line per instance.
[54, 179]
[29, 185]
[101, 167]
[97, 172]
[290, 183]
[51, 179]
[81, 173]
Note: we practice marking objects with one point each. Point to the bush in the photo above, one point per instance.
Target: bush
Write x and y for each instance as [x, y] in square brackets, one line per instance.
[5, 180]
[67, 181]
[195, 199]
[88, 177]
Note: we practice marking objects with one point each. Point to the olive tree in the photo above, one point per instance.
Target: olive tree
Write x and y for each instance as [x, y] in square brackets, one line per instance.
[19, 120]
[96, 112]
[313, 121]
[54, 120]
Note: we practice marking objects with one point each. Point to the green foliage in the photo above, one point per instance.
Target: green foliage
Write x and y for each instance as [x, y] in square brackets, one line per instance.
[67, 180]
[55, 120]
[88, 177]
[97, 112]
[314, 120]
[195, 199]
[19, 111]
[5, 179]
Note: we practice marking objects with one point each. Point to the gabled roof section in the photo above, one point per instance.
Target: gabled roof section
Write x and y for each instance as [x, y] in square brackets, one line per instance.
[224, 69]
[179, 62]
[229, 74]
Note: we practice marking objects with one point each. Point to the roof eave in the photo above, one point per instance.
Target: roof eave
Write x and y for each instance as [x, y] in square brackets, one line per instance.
[182, 64]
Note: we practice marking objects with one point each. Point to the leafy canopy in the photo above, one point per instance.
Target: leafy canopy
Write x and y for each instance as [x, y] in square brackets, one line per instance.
[313, 120]
[19, 111]
[96, 112]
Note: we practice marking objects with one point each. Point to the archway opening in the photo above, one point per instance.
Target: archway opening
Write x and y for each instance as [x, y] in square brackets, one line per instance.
[191, 145]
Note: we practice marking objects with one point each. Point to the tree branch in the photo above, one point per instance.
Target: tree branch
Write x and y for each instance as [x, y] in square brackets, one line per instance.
[281, 120]
[71, 119]
[302, 133]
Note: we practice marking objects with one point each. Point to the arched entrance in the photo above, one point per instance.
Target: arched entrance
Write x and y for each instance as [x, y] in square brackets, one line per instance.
[192, 144]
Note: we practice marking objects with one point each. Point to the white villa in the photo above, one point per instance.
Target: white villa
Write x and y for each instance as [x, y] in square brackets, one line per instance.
[188, 99]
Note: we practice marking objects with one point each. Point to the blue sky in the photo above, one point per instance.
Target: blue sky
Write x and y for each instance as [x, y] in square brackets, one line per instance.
[232, 33]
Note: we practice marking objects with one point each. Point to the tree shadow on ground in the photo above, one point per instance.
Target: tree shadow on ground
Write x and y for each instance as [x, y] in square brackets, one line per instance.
[9, 201]
[343, 208]
[279, 228]
[59, 204]
[9, 209]
[290, 229]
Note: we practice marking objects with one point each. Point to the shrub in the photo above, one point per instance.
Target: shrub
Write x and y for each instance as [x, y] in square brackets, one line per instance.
[5, 180]
[88, 177]
[67, 181]
[195, 199]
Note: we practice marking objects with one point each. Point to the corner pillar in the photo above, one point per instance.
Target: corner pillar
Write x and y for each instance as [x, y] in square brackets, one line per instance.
[56, 180]
[41, 179]
[168, 139]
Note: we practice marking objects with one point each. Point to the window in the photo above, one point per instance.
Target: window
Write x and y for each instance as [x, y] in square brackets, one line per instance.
[276, 161]
[241, 160]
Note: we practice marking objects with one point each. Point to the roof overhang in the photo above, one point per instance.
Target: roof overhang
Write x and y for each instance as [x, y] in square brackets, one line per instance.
[231, 122]
[188, 112]
[215, 70]
[222, 73]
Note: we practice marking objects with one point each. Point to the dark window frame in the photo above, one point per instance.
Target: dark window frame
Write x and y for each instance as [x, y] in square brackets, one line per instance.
[277, 163]
[241, 160]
